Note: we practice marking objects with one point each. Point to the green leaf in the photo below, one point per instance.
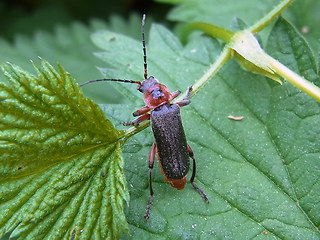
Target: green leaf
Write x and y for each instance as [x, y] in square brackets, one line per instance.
[302, 114]
[261, 174]
[220, 13]
[71, 46]
[61, 168]
[304, 14]
[302, 56]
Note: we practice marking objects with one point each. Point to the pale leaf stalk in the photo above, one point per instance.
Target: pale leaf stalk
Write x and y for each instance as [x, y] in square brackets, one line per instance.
[263, 22]
[245, 44]
[213, 69]
[211, 30]
[295, 79]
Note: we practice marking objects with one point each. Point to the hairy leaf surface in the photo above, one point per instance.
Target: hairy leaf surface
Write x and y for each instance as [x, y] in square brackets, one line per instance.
[61, 167]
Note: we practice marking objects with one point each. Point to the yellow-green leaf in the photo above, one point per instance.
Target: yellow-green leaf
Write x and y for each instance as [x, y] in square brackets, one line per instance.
[61, 168]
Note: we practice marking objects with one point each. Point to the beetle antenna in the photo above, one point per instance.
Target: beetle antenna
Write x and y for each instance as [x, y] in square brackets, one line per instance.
[144, 61]
[144, 48]
[110, 80]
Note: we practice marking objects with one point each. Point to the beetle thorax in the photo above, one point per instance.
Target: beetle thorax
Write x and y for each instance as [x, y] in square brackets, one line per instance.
[154, 93]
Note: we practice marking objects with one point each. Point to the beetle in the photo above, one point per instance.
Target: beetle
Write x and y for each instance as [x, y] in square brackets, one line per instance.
[170, 146]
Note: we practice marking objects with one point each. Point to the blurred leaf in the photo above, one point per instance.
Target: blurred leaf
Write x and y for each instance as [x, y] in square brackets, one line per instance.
[221, 13]
[261, 173]
[169, 1]
[16, 19]
[26, 16]
[72, 47]
[61, 168]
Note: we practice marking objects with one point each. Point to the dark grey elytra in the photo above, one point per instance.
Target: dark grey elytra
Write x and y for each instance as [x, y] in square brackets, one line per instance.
[170, 140]
[170, 144]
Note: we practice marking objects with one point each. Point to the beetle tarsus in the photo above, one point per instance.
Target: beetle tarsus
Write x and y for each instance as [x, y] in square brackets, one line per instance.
[147, 215]
[188, 93]
[130, 123]
[185, 101]
[204, 196]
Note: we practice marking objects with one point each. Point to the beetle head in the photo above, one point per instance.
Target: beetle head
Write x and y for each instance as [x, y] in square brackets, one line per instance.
[147, 84]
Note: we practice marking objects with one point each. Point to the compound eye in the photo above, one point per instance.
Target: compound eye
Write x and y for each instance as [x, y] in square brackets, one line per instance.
[157, 93]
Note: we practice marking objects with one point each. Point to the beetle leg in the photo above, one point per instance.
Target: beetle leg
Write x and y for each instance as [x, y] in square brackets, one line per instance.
[141, 111]
[183, 103]
[188, 93]
[174, 95]
[151, 162]
[204, 196]
[186, 100]
[137, 120]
